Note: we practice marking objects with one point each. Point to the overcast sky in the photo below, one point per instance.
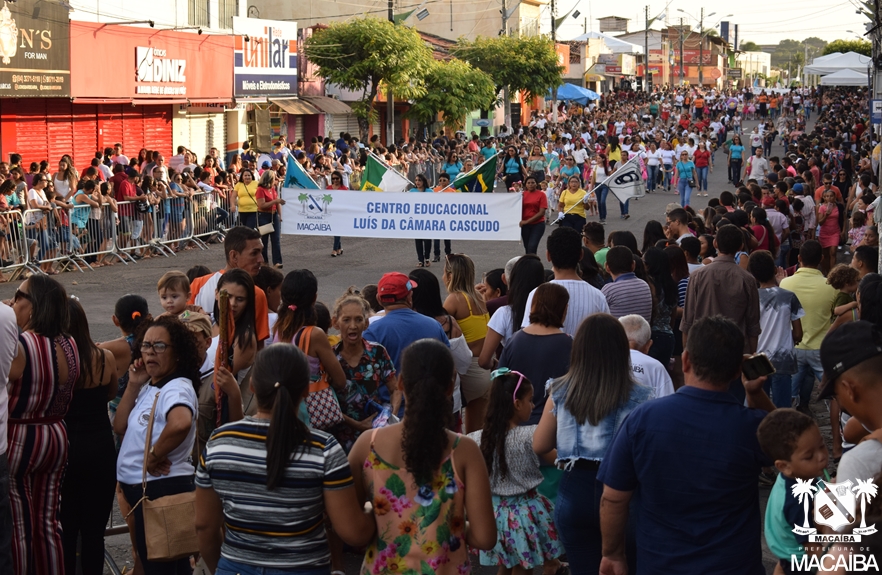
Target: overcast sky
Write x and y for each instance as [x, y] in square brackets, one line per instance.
[761, 21]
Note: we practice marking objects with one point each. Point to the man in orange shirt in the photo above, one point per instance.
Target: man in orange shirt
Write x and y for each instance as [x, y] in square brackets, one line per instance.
[243, 250]
[828, 185]
[699, 107]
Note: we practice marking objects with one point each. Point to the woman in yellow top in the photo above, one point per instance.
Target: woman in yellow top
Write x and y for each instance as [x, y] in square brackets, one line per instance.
[246, 202]
[469, 311]
[614, 151]
[572, 205]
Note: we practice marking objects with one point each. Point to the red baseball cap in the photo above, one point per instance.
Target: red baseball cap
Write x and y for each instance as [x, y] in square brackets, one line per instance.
[394, 286]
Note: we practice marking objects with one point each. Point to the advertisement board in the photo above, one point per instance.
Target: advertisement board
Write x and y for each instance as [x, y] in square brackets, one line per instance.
[34, 49]
[264, 57]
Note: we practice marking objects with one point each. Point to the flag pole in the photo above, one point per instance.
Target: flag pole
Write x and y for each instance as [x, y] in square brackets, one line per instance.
[388, 167]
[597, 187]
[474, 171]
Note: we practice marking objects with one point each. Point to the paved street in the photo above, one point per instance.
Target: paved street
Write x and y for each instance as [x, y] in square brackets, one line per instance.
[363, 262]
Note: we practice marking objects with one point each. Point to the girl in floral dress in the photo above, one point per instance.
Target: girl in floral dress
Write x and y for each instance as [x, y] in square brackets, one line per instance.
[524, 517]
[415, 474]
[367, 368]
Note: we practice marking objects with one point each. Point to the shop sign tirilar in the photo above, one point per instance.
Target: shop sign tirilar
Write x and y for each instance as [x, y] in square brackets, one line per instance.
[264, 57]
[34, 49]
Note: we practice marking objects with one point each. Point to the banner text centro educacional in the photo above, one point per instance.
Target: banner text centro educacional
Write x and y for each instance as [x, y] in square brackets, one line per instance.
[446, 216]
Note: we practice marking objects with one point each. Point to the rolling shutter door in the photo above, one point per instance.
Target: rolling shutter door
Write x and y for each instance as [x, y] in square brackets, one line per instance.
[344, 123]
[376, 130]
[110, 124]
[133, 130]
[59, 130]
[31, 130]
[298, 128]
[85, 134]
[157, 129]
[205, 132]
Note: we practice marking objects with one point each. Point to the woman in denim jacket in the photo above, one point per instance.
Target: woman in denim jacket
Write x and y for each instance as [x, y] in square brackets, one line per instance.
[586, 408]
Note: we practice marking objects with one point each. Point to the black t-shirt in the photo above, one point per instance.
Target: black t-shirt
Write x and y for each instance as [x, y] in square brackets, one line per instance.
[539, 358]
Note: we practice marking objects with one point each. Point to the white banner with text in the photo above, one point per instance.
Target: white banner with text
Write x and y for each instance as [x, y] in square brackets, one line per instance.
[444, 216]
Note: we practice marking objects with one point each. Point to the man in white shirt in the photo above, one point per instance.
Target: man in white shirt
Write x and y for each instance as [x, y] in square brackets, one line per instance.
[757, 167]
[118, 156]
[564, 251]
[179, 160]
[647, 371]
[8, 352]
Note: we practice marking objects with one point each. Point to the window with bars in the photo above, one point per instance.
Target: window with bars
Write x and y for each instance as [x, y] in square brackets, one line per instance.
[197, 13]
[226, 10]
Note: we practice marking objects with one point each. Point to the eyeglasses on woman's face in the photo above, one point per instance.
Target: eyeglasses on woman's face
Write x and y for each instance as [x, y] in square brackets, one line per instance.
[157, 347]
[19, 295]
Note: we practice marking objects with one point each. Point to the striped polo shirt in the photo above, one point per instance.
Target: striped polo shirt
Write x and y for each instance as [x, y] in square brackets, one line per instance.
[628, 295]
[282, 528]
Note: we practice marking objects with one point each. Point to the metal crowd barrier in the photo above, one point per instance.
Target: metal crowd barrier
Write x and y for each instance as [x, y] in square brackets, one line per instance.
[213, 214]
[15, 247]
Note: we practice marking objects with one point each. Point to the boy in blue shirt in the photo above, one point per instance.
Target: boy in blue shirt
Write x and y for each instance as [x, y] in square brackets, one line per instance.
[794, 441]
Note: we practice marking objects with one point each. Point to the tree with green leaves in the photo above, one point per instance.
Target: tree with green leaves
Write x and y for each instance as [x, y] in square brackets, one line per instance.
[364, 53]
[522, 64]
[454, 88]
[860, 46]
[748, 46]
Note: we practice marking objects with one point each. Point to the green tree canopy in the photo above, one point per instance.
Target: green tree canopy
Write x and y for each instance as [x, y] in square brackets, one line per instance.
[362, 53]
[453, 88]
[524, 64]
[748, 46]
[860, 46]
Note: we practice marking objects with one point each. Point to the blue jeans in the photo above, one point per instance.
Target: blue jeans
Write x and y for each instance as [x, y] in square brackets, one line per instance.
[808, 368]
[668, 175]
[778, 387]
[783, 250]
[685, 191]
[274, 237]
[248, 219]
[702, 178]
[735, 170]
[577, 516]
[531, 235]
[227, 567]
[651, 178]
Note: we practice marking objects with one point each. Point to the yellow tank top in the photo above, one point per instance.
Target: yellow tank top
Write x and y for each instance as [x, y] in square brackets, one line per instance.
[474, 327]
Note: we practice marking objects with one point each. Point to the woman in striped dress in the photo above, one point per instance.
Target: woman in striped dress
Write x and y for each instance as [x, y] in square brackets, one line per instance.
[41, 383]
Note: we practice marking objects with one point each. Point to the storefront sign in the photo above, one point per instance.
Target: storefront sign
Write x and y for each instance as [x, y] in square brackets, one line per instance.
[154, 64]
[452, 216]
[265, 57]
[34, 49]
[734, 73]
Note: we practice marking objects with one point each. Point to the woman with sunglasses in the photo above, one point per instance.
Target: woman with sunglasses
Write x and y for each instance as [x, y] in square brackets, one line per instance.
[337, 184]
[513, 167]
[42, 377]
[163, 383]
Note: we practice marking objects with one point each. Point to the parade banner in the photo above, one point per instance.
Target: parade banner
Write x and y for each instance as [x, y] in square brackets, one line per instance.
[443, 216]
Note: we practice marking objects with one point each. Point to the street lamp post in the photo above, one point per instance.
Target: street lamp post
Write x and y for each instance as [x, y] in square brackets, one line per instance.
[681, 50]
[701, 36]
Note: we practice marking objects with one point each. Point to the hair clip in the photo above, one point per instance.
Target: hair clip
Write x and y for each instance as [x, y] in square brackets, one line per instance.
[277, 384]
[292, 307]
[73, 297]
[136, 314]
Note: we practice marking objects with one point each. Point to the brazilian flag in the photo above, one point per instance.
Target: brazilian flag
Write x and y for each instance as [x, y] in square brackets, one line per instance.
[479, 180]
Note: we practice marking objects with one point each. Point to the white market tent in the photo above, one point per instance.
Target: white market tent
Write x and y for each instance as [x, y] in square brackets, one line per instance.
[616, 45]
[847, 61]
[821, 59]
[845, 77]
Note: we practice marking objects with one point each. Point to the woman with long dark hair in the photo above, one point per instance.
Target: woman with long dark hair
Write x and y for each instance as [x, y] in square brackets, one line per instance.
[763, 231]
[512, 167]
[254, 468]
[239, 285]
[652, 233]
[423, 247]
[527, 274]
[580, 418]
[409, 467]
[665, 295]
[90, 479]
[41, 384]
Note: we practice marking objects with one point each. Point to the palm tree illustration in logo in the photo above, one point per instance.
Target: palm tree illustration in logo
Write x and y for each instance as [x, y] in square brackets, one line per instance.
[804, 491]
[303, 198]
[326, 201]
[865, 490]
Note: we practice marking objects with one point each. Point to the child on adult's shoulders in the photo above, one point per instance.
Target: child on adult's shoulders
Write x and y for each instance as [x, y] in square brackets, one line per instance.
[794, 441]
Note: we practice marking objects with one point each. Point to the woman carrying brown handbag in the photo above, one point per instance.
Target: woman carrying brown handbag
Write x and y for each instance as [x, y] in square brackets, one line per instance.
[160, 397]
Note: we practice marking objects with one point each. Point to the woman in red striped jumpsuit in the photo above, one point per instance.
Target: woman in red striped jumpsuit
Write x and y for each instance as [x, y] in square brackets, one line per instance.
[41, 383]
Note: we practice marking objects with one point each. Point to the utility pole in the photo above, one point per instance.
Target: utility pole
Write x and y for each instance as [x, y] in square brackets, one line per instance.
[390, 99]
[506, 97]
[554, 41]
[701, 49]
[646, 53]
[680, 33]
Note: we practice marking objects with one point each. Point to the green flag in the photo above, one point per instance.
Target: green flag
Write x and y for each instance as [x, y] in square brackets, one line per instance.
[378, 178]
[479, 180]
